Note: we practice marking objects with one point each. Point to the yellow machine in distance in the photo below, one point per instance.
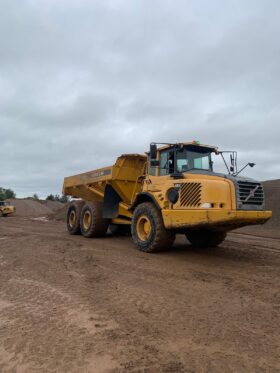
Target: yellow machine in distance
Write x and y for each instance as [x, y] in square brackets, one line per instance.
[6, 208]
[172, 189]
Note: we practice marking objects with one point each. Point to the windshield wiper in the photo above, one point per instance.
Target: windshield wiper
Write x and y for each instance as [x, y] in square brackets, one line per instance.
[196, 168]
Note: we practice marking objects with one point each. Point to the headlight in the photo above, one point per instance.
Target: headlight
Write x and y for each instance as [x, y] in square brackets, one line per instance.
[173, 195]
[206, 205]
[177, 186]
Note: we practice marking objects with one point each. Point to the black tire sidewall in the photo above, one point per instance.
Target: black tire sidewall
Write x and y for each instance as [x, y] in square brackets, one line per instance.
[98, 225]
[87, 232]
[140, 211]
[76, 228]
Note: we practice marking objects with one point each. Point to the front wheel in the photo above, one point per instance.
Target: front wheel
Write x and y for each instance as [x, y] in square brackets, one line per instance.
[148, 231]
[205, 238]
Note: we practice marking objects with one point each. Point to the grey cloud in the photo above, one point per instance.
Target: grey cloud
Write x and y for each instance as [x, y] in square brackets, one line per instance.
[82, 82]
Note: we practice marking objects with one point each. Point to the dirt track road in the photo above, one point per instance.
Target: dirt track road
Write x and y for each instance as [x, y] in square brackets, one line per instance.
[69, 304]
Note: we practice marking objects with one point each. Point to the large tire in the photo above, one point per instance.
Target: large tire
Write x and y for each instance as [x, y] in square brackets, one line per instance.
[205, 238]
[92, 223]
[148, 231]
[73, 217]
[120, 229]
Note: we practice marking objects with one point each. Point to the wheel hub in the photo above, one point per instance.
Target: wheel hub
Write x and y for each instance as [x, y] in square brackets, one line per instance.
[143, 228]
[72, 219]
[87, 220]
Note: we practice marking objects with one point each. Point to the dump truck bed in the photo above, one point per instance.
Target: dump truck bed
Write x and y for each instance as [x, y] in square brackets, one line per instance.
[86, 178]
[123, 176]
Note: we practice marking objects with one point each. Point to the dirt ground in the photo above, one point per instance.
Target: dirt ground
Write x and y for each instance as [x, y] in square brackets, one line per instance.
[70, 304]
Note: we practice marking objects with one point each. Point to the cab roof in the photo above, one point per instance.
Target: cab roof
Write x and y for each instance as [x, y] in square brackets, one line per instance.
[193, 146]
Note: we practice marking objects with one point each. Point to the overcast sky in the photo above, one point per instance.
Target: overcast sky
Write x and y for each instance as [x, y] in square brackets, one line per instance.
[84, 81]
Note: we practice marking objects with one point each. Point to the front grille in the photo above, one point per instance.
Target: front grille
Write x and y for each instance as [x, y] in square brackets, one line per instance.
[190, 195]
[249, 193]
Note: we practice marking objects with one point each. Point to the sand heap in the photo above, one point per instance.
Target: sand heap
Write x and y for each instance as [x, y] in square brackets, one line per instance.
[59, 214]
[35, 208]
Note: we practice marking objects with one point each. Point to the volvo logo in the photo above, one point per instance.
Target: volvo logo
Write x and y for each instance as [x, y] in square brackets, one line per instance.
[251, 193]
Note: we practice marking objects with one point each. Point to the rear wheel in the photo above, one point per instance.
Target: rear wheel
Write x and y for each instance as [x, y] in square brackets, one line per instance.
[73, 217]
[92, 223]
[205, 238]
[148, 231]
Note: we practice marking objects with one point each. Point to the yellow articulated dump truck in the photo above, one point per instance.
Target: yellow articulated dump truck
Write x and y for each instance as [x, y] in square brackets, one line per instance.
[173, 189]
[6, 208]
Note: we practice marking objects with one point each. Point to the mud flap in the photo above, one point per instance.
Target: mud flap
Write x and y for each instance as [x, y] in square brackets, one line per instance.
[111, 203]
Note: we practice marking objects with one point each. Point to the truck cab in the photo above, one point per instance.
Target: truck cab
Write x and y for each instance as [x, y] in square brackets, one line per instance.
[196, 200]
[179, 158]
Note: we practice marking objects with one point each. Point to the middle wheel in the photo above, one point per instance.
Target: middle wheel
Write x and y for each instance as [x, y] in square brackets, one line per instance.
[92, 223]
[148, 231]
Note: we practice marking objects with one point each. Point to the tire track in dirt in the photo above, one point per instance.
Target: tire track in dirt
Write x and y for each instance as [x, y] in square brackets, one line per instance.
[69, 304]
[54, 323]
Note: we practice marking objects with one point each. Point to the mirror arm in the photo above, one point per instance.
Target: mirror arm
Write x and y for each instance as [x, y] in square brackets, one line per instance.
[222, 155]
[248, 164]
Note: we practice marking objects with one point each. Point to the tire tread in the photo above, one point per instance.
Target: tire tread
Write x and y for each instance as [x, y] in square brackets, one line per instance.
[77, 205]
[163, 238]
[99, 225]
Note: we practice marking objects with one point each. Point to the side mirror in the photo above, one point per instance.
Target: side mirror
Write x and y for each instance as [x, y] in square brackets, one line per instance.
[153, 151]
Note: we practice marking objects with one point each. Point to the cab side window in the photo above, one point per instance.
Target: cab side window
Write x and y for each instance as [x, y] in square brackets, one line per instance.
[163, 163]
[166, 162]
[152, 171]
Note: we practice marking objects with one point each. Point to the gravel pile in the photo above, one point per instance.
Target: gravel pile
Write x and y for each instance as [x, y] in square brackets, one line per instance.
[34, 208]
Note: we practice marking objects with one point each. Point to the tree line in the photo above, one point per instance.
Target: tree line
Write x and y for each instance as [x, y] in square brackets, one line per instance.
[10, 194]
[52, 197]
[57, 198]
[6, 194]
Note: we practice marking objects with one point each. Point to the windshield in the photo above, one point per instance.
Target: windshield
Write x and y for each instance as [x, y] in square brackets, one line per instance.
[189, 160]
[183, 160]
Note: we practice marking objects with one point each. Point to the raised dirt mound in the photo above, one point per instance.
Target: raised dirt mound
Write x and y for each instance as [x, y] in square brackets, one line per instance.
[59, 214]
[34, 208]
[53, 205]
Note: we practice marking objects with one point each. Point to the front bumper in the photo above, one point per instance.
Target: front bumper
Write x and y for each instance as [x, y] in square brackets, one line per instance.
[220, 219]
